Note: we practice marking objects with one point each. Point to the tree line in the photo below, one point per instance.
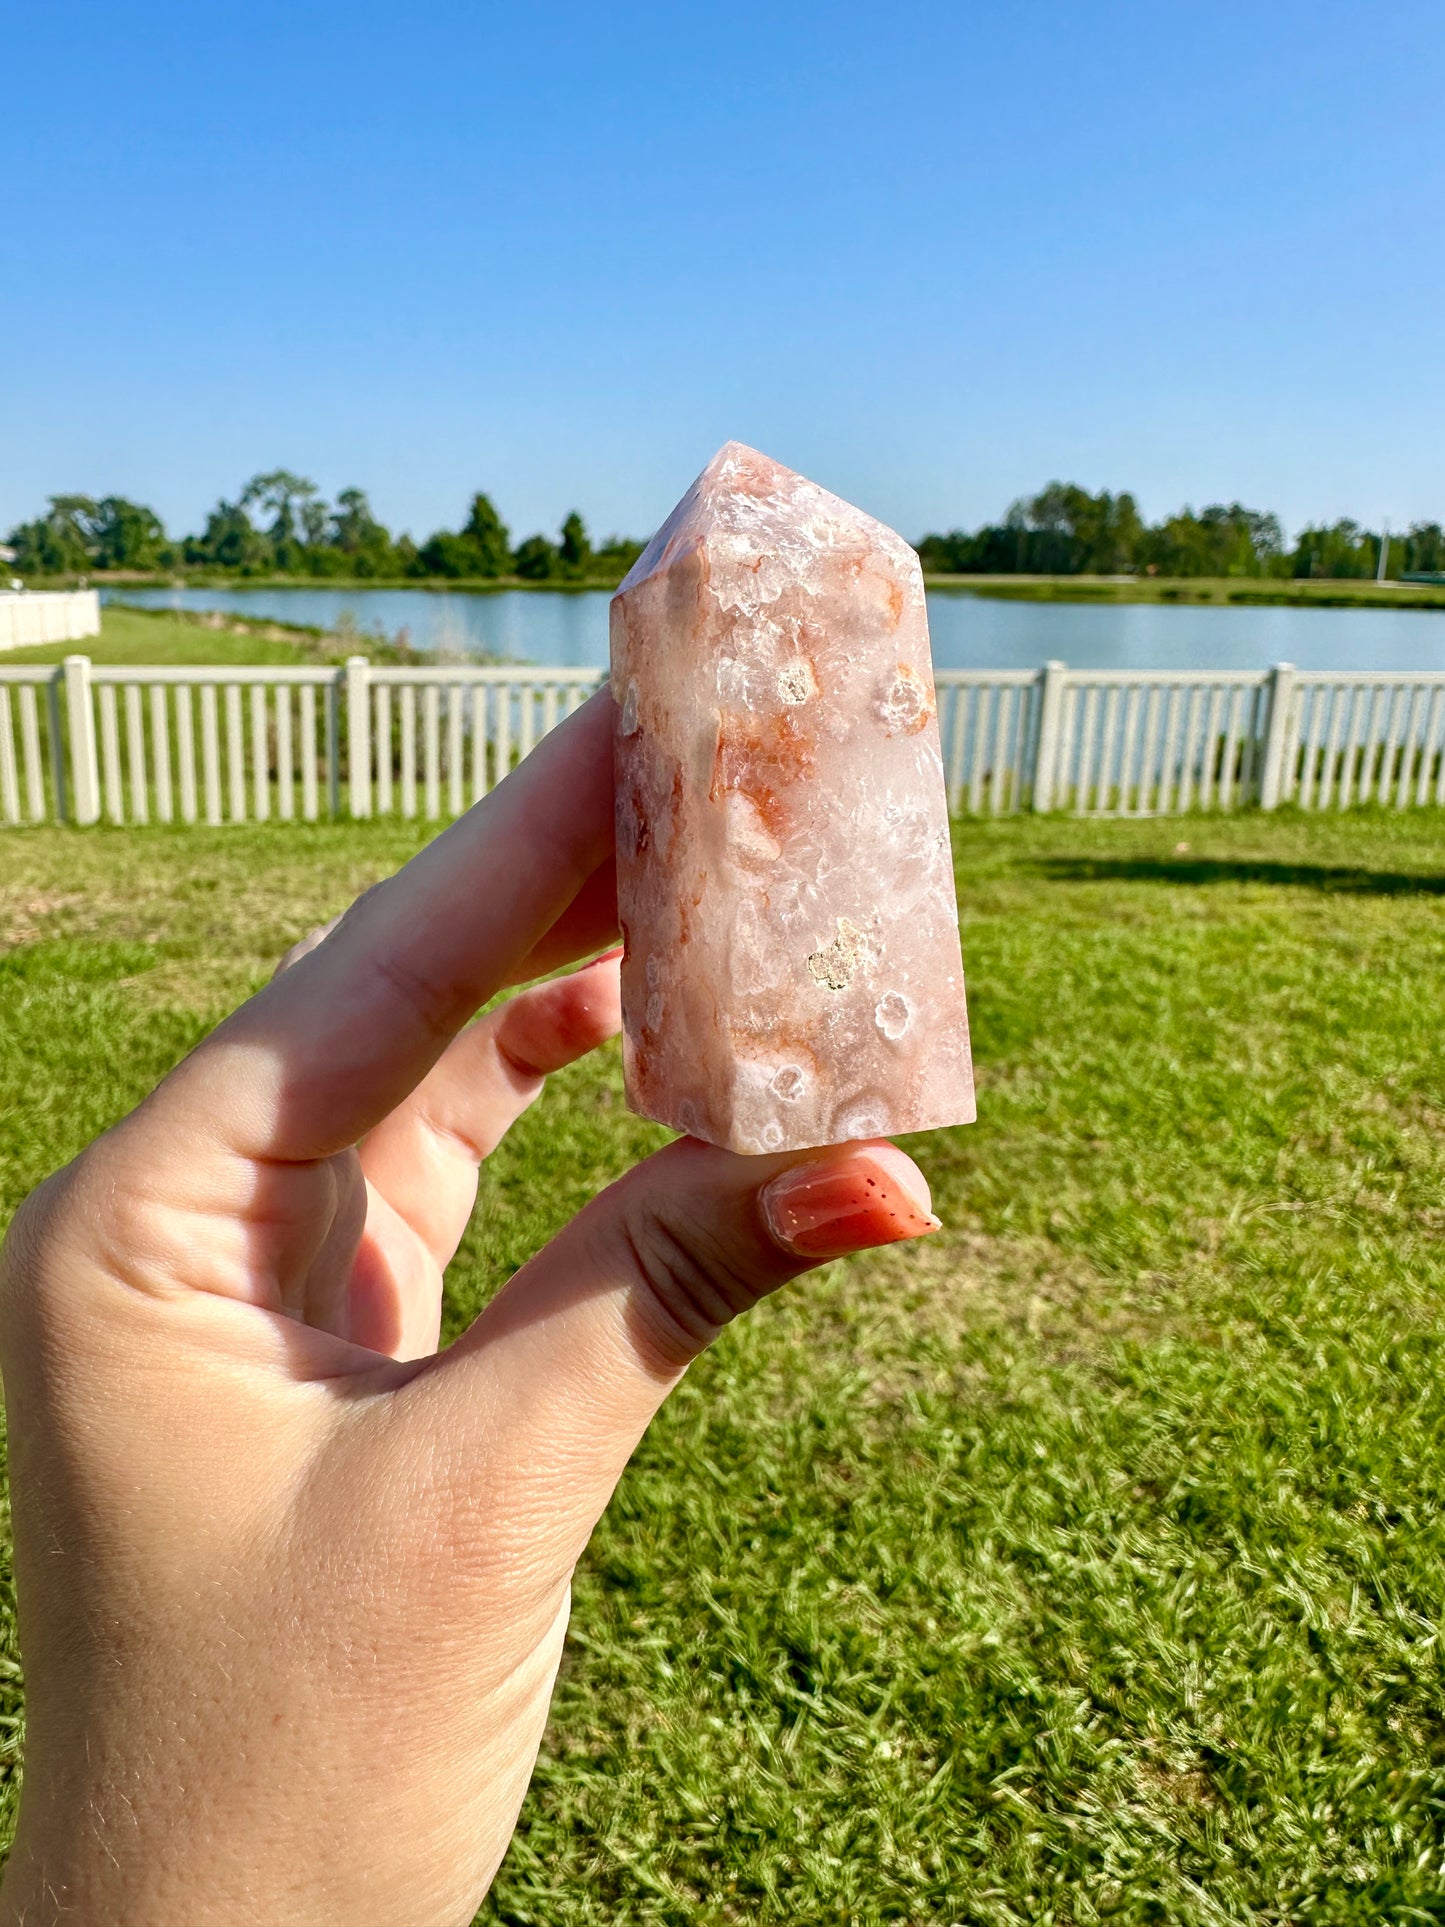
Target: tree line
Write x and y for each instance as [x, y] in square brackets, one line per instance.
[279, 524]
[1064, 530]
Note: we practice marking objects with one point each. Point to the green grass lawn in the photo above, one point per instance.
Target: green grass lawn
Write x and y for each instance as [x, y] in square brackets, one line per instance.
[1084, 1563]
[163, 636]
[1251, 591]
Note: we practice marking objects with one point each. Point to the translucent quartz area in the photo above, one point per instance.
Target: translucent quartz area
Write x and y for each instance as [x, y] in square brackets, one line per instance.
[792, 973]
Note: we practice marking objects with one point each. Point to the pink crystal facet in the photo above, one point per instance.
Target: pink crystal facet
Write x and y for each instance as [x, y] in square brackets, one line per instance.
[792, 973]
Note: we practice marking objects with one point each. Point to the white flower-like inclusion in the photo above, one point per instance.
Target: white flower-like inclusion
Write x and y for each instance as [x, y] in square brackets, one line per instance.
[903, 702]
[892, 1015]
[796, 681]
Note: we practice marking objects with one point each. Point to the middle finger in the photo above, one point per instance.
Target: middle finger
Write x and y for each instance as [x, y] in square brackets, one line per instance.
[423, 1158]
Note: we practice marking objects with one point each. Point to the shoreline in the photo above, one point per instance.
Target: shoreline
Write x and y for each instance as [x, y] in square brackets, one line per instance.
[1199, 591]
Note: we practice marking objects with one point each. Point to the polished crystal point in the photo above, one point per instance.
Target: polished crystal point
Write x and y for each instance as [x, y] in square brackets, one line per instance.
[791, 975]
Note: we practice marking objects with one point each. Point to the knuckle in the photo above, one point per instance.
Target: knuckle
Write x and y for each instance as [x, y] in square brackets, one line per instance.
[690, 1284]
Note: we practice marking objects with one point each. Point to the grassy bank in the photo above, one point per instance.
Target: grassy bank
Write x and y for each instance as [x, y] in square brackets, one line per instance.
[171, 636]
[123, 579]
[1085, 1563]
[1223, 591]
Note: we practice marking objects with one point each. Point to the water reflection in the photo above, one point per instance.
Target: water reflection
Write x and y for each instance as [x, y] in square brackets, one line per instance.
[968, 631]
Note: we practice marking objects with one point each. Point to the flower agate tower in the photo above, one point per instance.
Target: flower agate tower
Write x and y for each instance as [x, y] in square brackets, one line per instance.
[792, 973]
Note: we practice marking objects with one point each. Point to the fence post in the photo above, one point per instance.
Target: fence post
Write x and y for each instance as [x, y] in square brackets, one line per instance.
[80, 717]
[1046, 742]
[358, 734]
[1278, 734]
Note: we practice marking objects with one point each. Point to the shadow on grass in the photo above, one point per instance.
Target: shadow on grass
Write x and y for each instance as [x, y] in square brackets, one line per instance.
[1339, 879]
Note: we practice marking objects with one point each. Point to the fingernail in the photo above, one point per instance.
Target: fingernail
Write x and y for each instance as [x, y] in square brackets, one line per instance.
[849, 1203]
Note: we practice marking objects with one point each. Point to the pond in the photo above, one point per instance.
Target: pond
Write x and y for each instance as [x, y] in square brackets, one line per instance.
[969, 631]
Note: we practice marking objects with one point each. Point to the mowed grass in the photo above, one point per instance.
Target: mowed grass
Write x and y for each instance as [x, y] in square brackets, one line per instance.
[1084, 1563]
[162, 636]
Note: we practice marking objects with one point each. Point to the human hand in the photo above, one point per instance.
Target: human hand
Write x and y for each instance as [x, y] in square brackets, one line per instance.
[293, 1586]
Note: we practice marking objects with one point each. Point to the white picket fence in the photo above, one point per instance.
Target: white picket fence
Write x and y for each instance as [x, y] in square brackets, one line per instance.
[33, 618]
[88, 743]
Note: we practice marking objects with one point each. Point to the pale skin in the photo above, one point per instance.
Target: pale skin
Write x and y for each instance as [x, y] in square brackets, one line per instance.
[293, 1585]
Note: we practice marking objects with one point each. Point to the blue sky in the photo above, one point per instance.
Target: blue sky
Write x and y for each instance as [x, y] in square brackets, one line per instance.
[931, 254]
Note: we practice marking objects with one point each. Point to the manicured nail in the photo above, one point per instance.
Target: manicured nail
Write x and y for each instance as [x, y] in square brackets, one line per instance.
[848, 1202]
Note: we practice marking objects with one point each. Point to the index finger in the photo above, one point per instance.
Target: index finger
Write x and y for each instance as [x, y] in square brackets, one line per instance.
[334, 1043]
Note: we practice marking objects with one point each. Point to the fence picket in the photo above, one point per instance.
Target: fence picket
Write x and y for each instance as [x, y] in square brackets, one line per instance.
[9, 782]
[58, 748]
[135, 746]
[502, 758]
[235, 755]
[1397, 754]
[1109, 759]
[1352, 728]
[998, 773]
[211, 753]
[1312, 734]
[310, 805]
[1166, 781]
[479, 740]
[1370, 749]
[1229, 772]
[260, 754]
[110, 774]
[161, 753]
[333, 748]
[408, 750]
[1332, 771]
[186, 754]
[1402, 751]
[33, 761]
[432, 750]
[383, 748]
[285, 757]
[1063, 790]
[1429, 730]
[455, 768]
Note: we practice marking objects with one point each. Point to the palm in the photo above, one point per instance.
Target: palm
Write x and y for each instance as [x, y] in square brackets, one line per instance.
[268, 1540]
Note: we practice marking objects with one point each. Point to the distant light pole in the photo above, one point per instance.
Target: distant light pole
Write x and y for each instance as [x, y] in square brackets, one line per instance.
[1383, 562]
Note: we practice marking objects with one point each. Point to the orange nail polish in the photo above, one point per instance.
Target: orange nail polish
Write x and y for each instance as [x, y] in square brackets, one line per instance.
[849, 1203]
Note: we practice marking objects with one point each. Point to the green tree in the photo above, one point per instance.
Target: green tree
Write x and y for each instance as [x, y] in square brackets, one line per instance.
[1220, 540]
[955, 553]
[357, 536]
[576, 546]
[285, 496]
[489, 536]
[479, 548]
[314, 515]
[536, 559]
[615, 557]
[1341, 550]
[229, 540]
[126, 535]
[1423, 549]
[58, 542]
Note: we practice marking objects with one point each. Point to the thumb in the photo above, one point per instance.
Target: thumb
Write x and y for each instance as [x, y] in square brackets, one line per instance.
[575, 1356]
